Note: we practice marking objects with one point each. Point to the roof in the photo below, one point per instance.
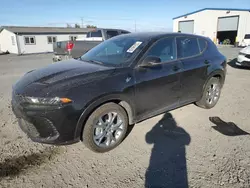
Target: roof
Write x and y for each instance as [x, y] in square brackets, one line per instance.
[231, 9]
[45, 30]
[155, 35]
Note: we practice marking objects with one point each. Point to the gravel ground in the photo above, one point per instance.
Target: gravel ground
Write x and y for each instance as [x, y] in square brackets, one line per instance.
[187, 147]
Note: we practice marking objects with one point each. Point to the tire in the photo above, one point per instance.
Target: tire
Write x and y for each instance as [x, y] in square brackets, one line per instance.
[99, 121]
[204, 102]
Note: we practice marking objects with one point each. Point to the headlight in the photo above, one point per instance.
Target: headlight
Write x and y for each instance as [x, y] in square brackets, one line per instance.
[45, 101]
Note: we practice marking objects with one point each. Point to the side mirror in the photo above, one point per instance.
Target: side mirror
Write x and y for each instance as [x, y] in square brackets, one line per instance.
[150, 61]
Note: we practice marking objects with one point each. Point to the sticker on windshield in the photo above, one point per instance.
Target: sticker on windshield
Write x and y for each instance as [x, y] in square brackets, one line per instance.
[134, 46]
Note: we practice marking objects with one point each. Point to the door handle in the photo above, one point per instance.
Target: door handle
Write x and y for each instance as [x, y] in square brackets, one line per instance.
[206, 62]
[176, 68]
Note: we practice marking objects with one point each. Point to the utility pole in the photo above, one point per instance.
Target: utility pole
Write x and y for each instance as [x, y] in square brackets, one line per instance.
[135, 25]
[82, 22]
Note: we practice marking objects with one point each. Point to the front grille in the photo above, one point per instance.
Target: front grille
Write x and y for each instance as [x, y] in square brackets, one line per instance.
[39, 128]
[36, 127]
[28, 128]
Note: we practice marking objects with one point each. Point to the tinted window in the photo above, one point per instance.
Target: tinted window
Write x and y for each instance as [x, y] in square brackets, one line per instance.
[202, 44]
[124, 32]
[247, 36]
[187, 47]
[96, 34]
[164, 49]
[111, 34]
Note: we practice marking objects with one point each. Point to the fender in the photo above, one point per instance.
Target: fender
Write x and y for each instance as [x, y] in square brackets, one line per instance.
[218, 72]
[126, 103]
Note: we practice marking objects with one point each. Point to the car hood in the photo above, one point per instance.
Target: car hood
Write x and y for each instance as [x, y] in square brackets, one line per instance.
[66, 71]
[246, 50]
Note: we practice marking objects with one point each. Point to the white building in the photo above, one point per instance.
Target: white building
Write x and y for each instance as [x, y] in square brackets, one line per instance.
[216, 23]
[26, 40]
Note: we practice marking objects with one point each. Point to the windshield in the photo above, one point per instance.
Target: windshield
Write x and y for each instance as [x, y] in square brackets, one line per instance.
[116, 51]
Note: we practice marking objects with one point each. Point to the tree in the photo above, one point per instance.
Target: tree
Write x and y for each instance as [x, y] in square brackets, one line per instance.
[91, 26]
[77, 26]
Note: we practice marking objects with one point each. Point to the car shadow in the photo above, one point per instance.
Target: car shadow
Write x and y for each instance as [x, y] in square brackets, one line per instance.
[227, 128]
[167, 166]
[232, 63]
[15, 165]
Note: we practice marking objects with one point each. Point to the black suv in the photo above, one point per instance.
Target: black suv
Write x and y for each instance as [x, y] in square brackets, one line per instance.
[121, 81]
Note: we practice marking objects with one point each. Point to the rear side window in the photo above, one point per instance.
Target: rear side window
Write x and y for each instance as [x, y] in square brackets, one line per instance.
[247, 36]
[202, 44]
[111, 34]
[187, 47]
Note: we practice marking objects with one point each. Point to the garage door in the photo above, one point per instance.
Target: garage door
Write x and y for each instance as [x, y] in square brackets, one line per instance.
[228, 23]
[186, 26]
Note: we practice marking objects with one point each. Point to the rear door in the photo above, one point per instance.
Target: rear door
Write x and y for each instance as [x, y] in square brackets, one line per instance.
[158, 87]
[190, 52]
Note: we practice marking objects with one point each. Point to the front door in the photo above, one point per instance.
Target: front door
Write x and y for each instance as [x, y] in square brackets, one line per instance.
[158, 87]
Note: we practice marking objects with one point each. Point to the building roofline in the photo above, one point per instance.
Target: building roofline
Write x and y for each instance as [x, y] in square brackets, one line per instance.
[44, 30]
[200, 10]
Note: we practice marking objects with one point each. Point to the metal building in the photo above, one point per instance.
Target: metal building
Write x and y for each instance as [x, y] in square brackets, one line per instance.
[27, 40]
[216, 23]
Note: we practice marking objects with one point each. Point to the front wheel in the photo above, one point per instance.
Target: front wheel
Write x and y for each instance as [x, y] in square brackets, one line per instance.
[105, 128]
[211, 94]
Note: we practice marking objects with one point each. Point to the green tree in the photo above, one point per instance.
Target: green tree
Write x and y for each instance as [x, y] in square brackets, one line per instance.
[77, 26]
[91, 26]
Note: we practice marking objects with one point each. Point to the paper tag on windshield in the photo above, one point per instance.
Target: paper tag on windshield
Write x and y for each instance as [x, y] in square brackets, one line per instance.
[134, 46]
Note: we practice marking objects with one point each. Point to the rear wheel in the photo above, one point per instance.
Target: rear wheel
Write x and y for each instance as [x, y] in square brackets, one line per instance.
[211, 94]
[105, 128]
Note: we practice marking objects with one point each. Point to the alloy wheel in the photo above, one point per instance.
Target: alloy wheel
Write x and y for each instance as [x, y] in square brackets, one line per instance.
[213, 93]
[108, 130]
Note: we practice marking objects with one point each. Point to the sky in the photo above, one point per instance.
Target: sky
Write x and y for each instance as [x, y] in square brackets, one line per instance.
[139, 15]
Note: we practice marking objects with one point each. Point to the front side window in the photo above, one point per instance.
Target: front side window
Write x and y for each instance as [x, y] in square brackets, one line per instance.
[29, 40]
[164, 49]
[187, 47]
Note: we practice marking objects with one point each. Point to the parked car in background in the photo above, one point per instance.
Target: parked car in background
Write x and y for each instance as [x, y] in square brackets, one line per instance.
[118, 83]
[244, 57]
[77, 47]
[245, 41]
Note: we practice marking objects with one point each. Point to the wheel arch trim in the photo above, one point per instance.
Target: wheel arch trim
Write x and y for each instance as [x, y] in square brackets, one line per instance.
[90, 107]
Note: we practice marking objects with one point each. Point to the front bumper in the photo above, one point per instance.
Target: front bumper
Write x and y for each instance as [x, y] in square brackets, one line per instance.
[50, 126]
